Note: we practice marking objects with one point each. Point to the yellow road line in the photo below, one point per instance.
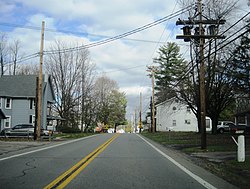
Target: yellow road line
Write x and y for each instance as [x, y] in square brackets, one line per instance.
[64, 179]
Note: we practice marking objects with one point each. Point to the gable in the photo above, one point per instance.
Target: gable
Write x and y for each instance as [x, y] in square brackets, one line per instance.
[18, 86]
[50, 92]
[24, 86]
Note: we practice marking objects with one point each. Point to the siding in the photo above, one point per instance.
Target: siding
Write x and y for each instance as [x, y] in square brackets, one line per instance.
[21, 111]
[22, 89]
[173, 112]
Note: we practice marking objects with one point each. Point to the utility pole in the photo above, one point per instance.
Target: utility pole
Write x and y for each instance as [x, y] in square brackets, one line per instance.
[140, 115]
[152, 69]
[135, 120]
[40, 81]
[202, 81]
[83, 102]
[151, 118]
[199, 36]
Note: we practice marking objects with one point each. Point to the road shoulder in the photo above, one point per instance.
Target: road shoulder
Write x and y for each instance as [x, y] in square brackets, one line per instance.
[186, 162]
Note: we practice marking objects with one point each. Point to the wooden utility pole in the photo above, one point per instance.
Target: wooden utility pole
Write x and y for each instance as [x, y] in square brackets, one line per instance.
[40, 81]
[83, 103]
[199, 36]
[202, 81]
[140, 118]
[152, 69]
[135, 120]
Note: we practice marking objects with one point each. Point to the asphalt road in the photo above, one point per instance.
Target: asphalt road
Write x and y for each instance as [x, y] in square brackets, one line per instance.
[103, 161]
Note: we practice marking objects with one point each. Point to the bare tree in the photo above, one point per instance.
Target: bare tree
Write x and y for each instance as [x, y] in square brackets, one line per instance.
[14, 54]
[3, 52]
[68, 70]
[27, 69]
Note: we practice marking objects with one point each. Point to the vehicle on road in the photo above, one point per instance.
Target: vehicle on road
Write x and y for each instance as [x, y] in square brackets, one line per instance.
[225, 126]
[23, 130]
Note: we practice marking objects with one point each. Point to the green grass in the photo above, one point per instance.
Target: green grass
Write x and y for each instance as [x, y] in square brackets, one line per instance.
[169, 138]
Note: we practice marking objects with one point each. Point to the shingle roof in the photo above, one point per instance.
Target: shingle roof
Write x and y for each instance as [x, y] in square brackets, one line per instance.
[18, 85]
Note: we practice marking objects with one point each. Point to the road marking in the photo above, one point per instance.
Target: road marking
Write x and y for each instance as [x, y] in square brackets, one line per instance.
[45, 148]
[194, 176]
[64, 179]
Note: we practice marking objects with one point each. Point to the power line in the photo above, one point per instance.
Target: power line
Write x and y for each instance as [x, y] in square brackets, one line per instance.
[221, 47]
[73, 32]
[191, 68]
[25, 58]
[139, 29]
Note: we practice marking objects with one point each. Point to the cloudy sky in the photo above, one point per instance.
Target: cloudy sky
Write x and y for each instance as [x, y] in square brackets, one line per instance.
[89, 21]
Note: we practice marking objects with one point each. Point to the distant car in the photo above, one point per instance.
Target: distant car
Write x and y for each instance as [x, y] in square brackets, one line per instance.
[23, 130]
[224, 126]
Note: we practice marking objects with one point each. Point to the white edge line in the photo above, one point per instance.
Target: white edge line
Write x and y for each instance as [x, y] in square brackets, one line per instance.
[45, 148]
[197, 178]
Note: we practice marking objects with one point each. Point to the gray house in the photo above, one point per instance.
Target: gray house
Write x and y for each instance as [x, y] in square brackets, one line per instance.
[17, 100]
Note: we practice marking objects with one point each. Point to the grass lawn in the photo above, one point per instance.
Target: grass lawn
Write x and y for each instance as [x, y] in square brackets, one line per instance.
[190, 142]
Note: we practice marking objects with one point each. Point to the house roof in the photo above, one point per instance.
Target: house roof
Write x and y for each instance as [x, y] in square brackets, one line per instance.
[18, 85]
[173, 99]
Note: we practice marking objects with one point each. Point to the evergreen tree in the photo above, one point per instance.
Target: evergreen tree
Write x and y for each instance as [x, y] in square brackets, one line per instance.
[241, 63]
[171, 69]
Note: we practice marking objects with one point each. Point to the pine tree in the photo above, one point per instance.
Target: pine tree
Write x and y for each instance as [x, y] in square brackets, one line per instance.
[170, 70]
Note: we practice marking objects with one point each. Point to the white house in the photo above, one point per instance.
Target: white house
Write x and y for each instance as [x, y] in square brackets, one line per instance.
[173, 115]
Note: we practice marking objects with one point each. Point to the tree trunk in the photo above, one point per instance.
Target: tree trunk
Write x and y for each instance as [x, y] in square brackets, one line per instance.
[214, 124]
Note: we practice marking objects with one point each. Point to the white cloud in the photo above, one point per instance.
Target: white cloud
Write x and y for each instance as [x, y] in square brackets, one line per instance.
[135, 90]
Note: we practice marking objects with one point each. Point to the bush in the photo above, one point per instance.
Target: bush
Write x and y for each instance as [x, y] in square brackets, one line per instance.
[65, 129]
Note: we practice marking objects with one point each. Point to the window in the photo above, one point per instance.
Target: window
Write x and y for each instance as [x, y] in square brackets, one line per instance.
[32, 104]
[8, 103]
[174, 122]
[188, 109]
[32, 119]
[187, 121]
[7, 122]
[0, 102]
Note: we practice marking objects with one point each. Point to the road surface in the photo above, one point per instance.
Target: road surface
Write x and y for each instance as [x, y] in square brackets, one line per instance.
[104, 161]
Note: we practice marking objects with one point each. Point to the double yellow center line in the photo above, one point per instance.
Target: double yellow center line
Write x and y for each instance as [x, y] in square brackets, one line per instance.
[70, 174]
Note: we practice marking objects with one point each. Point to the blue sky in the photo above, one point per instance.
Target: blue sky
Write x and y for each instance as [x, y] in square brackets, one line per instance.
[102, 18]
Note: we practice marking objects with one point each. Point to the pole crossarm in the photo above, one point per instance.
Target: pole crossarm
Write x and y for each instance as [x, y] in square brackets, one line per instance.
[200, 36]
[197, 22]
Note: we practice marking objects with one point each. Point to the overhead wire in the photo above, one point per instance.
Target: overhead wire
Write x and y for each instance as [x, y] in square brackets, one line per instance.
[23, 59]
[72, 32]
[221, 47]
[191, 68]
[101, 42]
[156, 46]
[139, 29]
